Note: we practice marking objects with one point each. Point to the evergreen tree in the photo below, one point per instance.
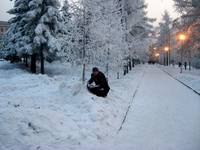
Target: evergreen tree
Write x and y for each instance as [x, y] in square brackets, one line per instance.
[164, 29]
[164, 34]
[16, 40]
[34, 29]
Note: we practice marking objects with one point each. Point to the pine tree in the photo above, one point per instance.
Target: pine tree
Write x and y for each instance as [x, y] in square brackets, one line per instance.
[16, 40]
[34, 29]
[164, 29]
[164, 35]
[45, 14]
[183, 6]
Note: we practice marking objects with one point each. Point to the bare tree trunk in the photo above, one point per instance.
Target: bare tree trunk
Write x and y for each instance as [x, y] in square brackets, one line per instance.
[26, 60]
[117, 75]
[130, 66]
[133, 63]
[83, 75]
[127, 71]
[33, 63]
[42, 59]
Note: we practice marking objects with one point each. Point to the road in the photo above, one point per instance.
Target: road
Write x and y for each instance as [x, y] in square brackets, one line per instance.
[165, 115]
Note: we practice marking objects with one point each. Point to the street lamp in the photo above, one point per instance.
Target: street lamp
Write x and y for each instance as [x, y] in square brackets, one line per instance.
[166, 49]
[182, 37]
[157, 55]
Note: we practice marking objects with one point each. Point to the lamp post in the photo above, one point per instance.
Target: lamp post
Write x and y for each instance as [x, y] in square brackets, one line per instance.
[182, 37]
[157, 55]
[166, 49]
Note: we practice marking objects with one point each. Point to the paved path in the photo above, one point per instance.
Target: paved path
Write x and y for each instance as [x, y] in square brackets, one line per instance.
[165, 115]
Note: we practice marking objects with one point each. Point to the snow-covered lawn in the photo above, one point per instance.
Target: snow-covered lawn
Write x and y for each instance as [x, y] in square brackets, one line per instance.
[55, 111]
[190, 78]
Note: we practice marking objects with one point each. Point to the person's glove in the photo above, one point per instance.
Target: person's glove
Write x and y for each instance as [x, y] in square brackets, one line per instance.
[92, 86]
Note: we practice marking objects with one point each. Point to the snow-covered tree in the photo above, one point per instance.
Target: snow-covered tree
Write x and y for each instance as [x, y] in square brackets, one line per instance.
[138, 27]
[190, 24]
[164, 37]
[183, 6]
[34, 28]
[107, 44]
[164, 27]
[102, 35]
[66, 37]
[65, 11]
[16, 40]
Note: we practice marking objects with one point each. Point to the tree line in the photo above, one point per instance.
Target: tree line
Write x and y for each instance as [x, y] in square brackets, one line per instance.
[98, 32]
[169, 30]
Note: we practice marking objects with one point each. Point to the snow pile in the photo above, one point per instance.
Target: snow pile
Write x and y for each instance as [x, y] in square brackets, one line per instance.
[189, 78]
[56, 112]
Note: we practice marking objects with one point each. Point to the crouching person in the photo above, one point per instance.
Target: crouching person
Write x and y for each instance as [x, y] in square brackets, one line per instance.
[101, 87]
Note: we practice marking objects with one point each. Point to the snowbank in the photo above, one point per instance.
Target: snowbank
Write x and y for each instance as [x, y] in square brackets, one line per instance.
[189, 78]
[55, 111]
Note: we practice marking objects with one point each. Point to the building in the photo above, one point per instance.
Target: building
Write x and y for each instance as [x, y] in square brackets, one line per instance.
[3, 28]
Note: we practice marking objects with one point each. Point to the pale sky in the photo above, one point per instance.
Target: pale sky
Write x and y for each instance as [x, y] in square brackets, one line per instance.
[155, 9]
[5, 5]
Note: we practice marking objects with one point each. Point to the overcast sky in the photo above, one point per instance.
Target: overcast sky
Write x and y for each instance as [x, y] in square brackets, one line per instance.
[155, 9]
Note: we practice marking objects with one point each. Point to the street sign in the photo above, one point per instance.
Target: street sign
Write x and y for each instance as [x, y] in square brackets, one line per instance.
[196, 3]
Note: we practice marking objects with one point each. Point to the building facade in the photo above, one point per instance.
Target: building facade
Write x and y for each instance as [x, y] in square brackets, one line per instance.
[3, 28]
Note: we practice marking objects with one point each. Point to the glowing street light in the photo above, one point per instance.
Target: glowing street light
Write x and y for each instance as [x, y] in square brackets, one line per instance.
[182, 37]
[157, 55]
[166, 49]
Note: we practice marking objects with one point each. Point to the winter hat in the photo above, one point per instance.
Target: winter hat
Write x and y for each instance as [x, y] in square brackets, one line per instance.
[95, 69]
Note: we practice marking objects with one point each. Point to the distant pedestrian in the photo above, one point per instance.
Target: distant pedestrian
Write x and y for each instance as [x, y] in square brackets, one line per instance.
[185, 64]
[179, 64]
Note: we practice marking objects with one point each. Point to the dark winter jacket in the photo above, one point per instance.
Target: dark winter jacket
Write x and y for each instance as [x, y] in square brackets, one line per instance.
[100, 80]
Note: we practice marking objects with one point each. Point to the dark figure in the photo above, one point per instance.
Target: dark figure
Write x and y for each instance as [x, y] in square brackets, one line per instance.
[133, 63]
[185, 65]
[101, 87]
[179, 64]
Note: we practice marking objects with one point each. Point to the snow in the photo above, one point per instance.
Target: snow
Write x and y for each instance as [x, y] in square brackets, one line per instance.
[164, 115]
[189, 78]
[55, 111]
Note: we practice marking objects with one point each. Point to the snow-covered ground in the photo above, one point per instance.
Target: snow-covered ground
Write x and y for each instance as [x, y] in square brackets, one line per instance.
[164, 116]
[189, 78]
[55, 111]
